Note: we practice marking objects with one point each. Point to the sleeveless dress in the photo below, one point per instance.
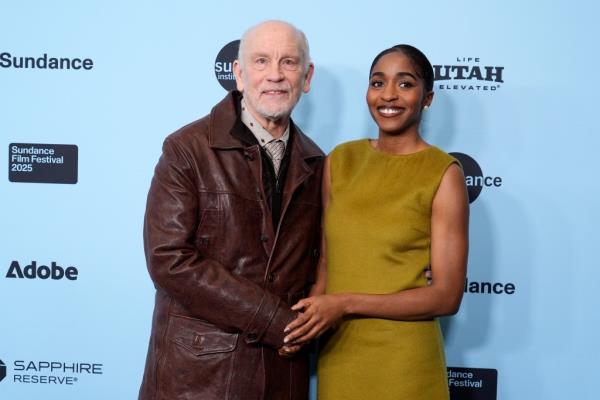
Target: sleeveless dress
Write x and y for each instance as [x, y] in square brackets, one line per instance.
[378, 232]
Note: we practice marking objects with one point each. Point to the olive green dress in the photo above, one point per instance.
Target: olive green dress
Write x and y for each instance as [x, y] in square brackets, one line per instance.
[378, 231]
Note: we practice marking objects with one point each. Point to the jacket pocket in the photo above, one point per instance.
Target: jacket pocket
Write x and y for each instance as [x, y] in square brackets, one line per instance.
[198, 360]
[199, 337]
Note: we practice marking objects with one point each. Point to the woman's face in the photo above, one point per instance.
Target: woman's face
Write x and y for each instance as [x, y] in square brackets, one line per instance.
[396, 95]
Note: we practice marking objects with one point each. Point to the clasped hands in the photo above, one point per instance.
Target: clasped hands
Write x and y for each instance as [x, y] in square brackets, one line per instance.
[316, 314]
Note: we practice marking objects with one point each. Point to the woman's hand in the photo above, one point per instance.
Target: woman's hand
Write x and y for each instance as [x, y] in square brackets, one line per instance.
[317, 314]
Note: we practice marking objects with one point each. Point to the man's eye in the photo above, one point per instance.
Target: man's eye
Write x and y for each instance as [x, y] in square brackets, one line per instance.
[289, 63]
[261, 63]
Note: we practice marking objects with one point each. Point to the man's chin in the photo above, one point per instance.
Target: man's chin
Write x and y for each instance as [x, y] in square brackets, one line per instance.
[275, 115]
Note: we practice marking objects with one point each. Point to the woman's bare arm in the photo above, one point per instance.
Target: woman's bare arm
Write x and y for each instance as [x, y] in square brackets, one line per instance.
[449, 248]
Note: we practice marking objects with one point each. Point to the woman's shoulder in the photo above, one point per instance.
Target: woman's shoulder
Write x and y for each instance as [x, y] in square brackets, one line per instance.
[442, 156]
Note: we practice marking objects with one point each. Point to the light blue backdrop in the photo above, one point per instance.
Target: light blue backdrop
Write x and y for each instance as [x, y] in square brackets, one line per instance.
[154, 72]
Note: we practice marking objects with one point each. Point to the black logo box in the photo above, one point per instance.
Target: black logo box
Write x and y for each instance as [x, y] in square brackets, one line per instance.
[59, 167]
[2, 370]
[482, 385]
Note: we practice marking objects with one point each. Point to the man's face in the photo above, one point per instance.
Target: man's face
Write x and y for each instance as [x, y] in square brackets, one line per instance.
[272, 74]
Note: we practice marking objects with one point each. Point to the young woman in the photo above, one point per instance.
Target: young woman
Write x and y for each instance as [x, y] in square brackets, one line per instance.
[395, 207]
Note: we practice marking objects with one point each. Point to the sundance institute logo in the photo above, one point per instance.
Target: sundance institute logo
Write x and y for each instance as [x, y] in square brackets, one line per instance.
[474, 177]
[224, 65]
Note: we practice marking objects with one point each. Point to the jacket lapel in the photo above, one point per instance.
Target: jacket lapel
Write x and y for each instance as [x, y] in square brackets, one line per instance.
[222, 135]
[299, 170]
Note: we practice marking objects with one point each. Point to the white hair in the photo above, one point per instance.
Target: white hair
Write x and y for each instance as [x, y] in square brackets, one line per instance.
[304, 49]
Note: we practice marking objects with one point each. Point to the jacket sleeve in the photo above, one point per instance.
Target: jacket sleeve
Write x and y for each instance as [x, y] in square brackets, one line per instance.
[204, 286]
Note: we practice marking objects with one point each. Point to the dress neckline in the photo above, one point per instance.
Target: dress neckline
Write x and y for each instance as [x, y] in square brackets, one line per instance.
[393, 155]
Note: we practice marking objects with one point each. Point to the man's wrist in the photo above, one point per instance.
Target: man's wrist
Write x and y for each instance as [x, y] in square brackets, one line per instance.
[274, 334]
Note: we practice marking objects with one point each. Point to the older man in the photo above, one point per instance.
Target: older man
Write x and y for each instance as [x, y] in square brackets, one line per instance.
[232, 233]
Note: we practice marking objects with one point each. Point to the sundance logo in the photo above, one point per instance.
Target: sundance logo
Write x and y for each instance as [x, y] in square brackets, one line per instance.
[33, 271]
[474, 177]
[7, 60]
[472, 383]
[42, 163]
[484, 287]
[224, 65]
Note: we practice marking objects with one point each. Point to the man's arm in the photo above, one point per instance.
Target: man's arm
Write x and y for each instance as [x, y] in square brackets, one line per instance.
[321, 282]
[204, 286]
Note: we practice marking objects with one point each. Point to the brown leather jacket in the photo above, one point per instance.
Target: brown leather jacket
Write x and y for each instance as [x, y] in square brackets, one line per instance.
[224, 275]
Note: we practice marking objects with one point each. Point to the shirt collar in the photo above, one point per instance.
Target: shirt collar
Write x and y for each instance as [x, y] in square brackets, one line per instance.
[262, 135]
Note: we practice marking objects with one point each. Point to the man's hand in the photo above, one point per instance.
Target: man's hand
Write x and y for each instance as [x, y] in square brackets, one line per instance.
[289, 351]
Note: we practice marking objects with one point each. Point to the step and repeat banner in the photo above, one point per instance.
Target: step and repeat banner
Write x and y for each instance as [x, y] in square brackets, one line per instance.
[89, 90]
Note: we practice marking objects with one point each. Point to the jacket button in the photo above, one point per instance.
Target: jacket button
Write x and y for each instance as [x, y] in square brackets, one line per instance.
[264, 238]
[272, 277]
[198, 340]
[315, 253]
[252, 336]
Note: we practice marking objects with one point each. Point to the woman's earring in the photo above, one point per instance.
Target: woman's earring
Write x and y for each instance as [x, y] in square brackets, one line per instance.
[425, 108]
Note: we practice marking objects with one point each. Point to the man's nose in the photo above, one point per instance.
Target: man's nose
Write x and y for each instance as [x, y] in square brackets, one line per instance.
[274, 72]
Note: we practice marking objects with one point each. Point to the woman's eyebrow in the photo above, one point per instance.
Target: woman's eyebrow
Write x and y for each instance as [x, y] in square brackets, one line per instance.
[399, 74]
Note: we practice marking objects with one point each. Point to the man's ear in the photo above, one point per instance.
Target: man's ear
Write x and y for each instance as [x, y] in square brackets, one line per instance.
[237, 71]
[308, 77]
